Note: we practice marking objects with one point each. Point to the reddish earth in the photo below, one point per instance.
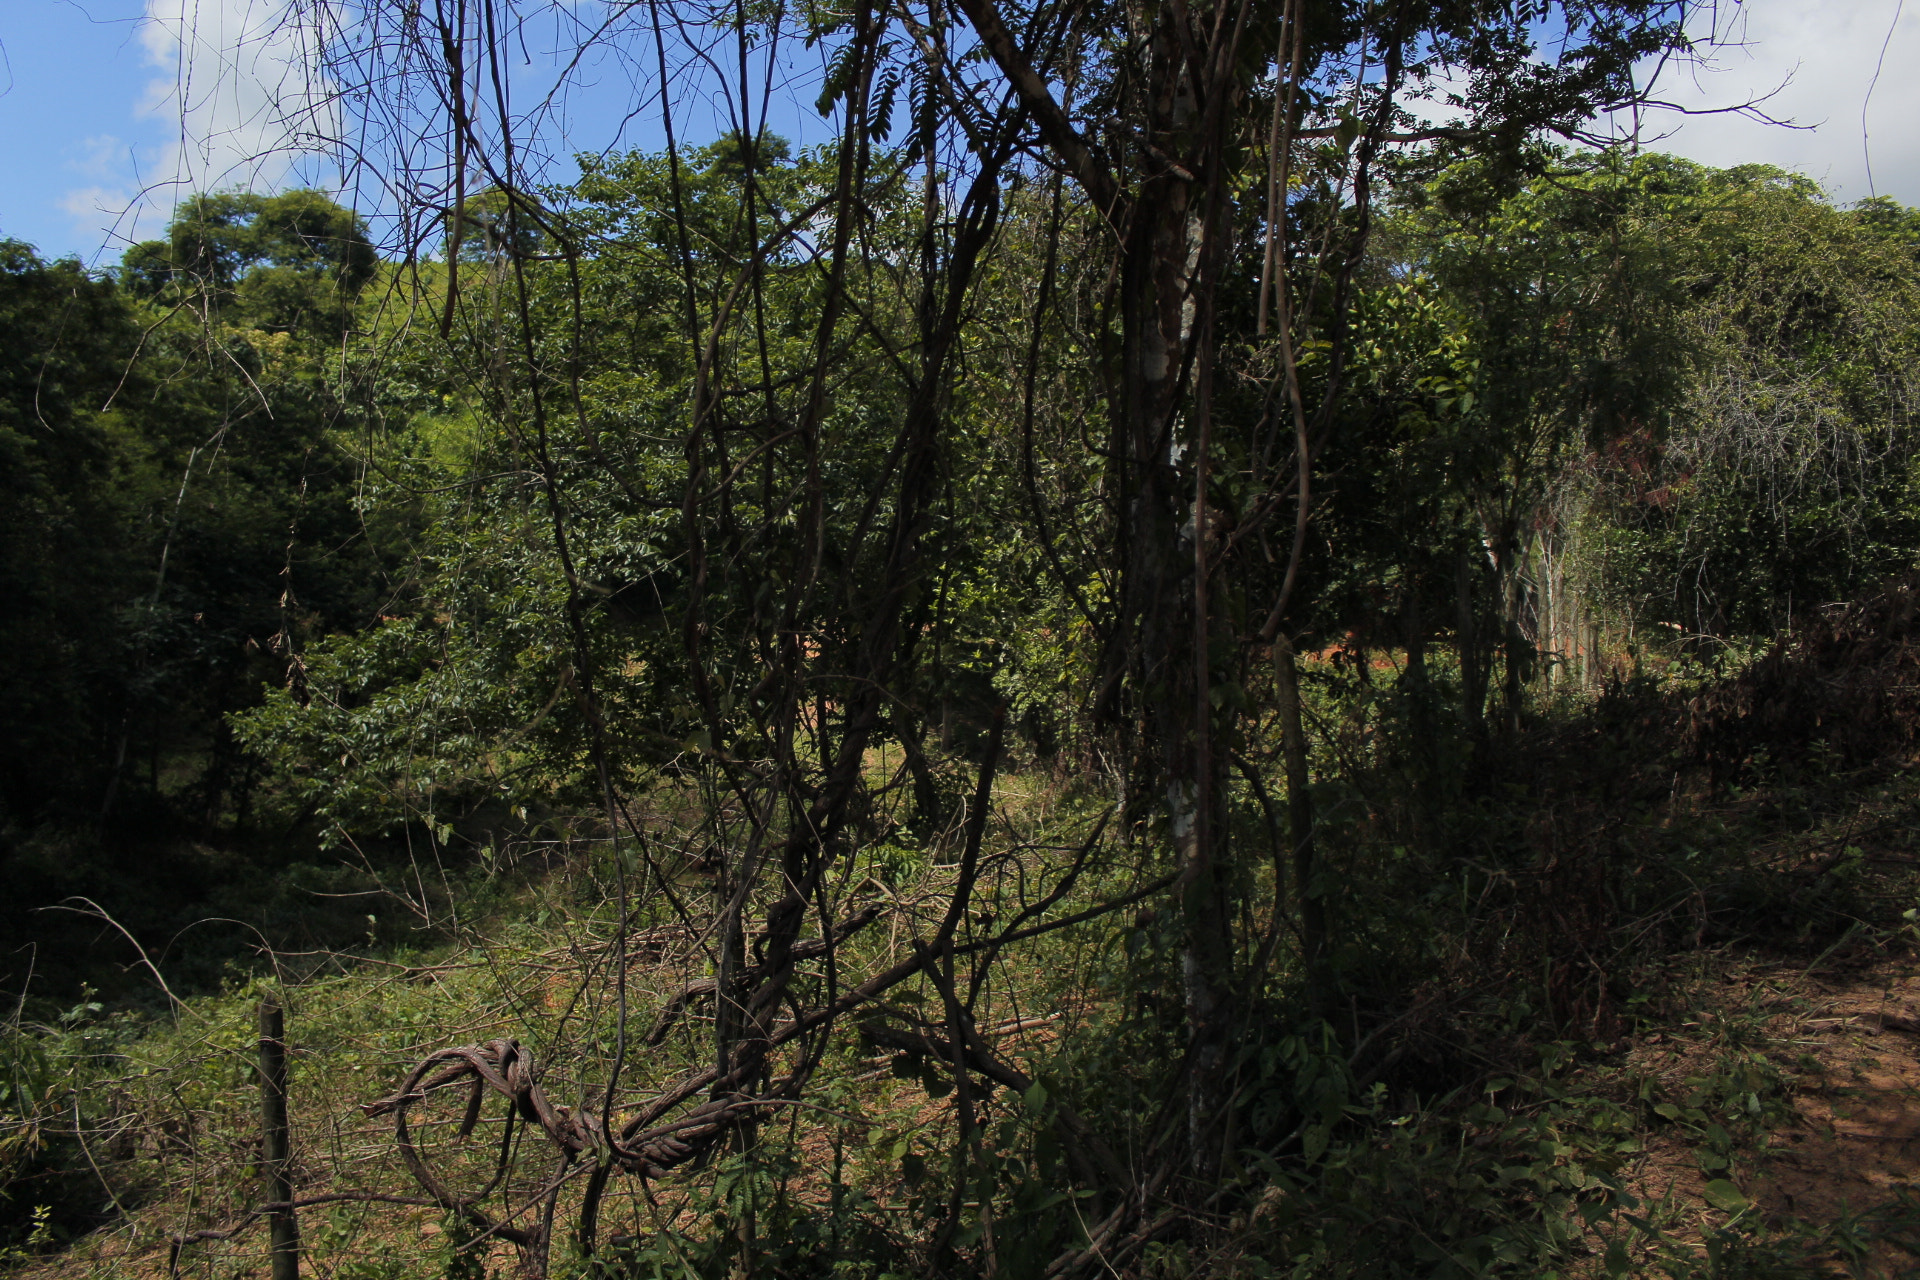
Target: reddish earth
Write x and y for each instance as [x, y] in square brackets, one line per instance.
[1843, 1163]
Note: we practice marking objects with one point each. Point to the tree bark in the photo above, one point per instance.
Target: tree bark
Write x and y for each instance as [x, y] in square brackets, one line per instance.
[1306, 857]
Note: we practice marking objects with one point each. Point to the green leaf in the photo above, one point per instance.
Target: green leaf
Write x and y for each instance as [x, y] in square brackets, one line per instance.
[1313, 1143]
[1724, 1196]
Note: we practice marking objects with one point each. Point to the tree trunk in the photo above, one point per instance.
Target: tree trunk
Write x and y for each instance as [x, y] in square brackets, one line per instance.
[1307, 889]
[1166, 303]
[1473, 667]
[1422, 728]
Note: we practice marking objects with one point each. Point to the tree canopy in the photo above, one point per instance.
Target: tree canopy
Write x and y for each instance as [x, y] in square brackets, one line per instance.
[1153, 399]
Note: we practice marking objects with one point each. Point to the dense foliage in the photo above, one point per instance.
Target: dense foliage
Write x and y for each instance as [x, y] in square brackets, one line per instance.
[186, 513]
[686, 557]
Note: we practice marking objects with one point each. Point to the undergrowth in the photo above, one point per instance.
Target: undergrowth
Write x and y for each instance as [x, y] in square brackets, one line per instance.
[1558, 1054]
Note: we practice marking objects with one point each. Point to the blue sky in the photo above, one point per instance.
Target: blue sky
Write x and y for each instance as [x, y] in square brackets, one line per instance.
[98, 149]
[73, 81]
[90, 117]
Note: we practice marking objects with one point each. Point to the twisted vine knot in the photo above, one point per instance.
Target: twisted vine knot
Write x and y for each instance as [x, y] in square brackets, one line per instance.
[505, 1067]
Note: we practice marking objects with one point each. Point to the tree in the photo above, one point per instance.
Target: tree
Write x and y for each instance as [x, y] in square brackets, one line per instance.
[1180, 81]
[292, 261]
[1569, 290]
[761, 451]
[63, 550]
[1786, 481]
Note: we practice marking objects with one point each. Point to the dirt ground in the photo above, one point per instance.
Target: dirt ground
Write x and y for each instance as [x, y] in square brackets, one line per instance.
[1840, 1162]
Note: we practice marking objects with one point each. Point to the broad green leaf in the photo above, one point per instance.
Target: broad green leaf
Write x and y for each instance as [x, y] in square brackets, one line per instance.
[1723, 1195]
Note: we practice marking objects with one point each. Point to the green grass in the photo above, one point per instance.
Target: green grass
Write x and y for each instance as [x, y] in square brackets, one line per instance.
[1482, 1103]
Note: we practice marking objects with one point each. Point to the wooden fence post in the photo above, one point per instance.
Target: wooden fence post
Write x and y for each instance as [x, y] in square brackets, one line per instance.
[276, 1149]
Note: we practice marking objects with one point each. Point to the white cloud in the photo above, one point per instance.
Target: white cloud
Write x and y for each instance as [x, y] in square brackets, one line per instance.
[110, 203]
[114, 210]
[241, 85]
[1820, 55]
[99, 157]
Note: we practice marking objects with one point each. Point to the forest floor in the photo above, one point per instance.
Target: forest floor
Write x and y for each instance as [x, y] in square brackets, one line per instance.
[1745, 1103]
[1838, 1165]
[1853, 1142]
[1817, 1040]
[1819, 1046]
